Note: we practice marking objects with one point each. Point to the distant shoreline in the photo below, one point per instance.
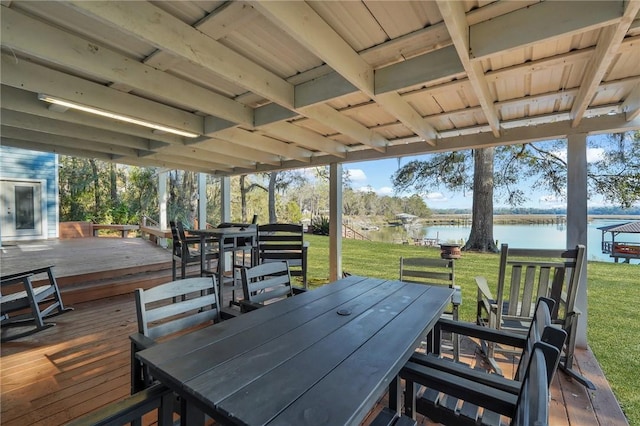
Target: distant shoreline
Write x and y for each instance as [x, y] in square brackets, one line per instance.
[530, 218]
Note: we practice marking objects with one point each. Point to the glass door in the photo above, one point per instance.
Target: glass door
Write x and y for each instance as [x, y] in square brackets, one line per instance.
[21, 207]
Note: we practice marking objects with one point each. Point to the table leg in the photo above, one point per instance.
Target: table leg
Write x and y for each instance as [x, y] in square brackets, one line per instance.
[190, 415]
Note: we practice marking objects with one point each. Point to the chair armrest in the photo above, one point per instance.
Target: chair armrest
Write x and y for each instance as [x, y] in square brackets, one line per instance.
[484, 293]
[464, 371]
[469, 391]
[140, 341]
[480, 332]
[298, 290]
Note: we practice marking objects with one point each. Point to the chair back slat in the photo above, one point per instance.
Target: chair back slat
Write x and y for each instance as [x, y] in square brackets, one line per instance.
[424, 270]
[176, 306]
[266, 282]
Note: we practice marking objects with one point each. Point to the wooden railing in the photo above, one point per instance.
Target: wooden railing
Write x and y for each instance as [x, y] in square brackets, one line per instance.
[150, 229]
[349, 232]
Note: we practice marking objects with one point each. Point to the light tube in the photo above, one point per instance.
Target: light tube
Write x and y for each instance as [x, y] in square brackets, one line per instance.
[112, 115]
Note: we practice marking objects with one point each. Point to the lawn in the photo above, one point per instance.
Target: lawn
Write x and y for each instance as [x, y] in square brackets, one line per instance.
[613, 296]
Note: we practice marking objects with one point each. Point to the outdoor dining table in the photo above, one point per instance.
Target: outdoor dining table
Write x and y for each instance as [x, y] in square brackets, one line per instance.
[324, 357]
[229, 240]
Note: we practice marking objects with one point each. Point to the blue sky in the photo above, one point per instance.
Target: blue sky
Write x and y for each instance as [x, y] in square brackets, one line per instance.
[377, 175]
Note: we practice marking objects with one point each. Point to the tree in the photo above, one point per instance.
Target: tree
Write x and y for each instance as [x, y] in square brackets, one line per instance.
[481, 236]
[615, 175]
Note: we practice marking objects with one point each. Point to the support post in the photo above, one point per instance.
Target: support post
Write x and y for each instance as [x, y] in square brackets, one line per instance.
[577, 219]
[202, 201]
[335, 221]
[162, 204]
[225, 199]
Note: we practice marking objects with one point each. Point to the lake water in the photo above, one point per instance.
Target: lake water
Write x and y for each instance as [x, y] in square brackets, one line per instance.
[525, 236]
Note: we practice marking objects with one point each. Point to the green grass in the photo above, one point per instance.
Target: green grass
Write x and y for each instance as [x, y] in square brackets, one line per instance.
[613, 330]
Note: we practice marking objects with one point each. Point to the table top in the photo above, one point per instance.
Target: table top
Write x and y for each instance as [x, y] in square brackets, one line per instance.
[322, 357]
[232, 231]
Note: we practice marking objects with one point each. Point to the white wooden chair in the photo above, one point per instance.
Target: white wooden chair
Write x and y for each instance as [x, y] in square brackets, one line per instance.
[523, 276]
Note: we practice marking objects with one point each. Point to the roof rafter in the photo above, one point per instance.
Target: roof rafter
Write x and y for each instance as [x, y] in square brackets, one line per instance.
[170, 34]
[257, 141]
[631, 105]
[25, 34]
[607, 47]
[27, 75]
[301, 22]
[454, 18]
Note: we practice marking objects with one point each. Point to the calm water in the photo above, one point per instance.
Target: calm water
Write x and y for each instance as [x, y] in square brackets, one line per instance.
[526, 236]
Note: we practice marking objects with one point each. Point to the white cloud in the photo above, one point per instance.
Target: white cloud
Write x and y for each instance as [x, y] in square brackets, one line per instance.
[357, 175]
[594, 154]
[385, 190]
[436, 197]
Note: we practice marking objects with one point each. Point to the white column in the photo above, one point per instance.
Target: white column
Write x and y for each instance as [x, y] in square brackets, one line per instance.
[225, 199]
[162, 204]
[202, 200]
[335, 221]
[577, 219]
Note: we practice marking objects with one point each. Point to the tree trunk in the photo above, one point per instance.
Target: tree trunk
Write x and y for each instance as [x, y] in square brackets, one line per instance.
[272, 197]
[113, 184]
[481, 236]
[96, 186]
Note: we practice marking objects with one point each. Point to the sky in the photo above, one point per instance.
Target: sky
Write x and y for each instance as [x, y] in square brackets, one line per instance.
[377, 176]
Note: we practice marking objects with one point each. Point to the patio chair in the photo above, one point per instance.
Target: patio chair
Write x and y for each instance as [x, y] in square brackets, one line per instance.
[29, 302]
[167, 310]
[130, 410]
[453, 377]
[266, 283]
[481, 404]
[284, 241]
[524, 275]
[423, 270]
[185, 252]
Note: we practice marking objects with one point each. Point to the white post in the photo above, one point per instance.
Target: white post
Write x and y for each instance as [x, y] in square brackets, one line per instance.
[335, 221]
[225, 213]
[162, 202]
[225, 199]
[577, 219]
[202, 200]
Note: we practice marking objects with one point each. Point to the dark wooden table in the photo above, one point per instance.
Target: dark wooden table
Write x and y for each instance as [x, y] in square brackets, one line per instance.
[228, 242]
[324, 357]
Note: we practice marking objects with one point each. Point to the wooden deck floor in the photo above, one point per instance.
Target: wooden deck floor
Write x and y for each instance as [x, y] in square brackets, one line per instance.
[82, 363]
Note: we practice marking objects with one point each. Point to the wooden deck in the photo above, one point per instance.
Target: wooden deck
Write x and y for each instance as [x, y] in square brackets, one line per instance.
[82, 363]
[91, 268]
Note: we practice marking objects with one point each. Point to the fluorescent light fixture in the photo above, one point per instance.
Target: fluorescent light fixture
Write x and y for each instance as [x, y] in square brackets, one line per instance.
[108, 114]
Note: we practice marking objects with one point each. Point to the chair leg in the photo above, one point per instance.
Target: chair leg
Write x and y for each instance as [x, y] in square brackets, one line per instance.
[455, 337]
